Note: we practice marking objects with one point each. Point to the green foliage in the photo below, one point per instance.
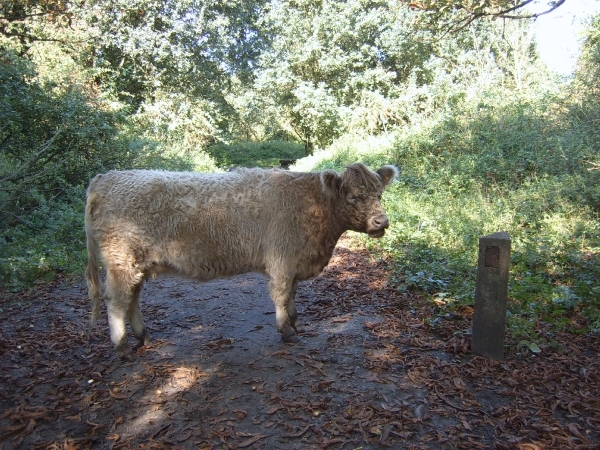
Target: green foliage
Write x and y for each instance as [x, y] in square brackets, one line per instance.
[588, 71]
[338, 66]
[50, 241]
[56, 132]
[488, 150]
[582, 120]
[181, 46]
[53, 137]
[373, 151]
[172, 133]
[477, 173]
[255, 154]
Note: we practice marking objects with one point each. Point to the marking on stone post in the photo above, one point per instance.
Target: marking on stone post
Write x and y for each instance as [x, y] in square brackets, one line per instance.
[492, 256]
[491, 290]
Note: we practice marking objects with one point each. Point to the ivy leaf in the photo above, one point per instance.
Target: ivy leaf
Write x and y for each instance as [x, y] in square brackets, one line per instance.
[534, 347]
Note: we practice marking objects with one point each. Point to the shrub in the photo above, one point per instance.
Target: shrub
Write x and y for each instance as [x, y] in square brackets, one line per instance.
[511, 168]
[255, 154]
[50, 241]
[374, 151]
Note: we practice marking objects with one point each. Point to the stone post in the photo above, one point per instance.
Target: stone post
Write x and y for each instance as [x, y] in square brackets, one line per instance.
[489, 319]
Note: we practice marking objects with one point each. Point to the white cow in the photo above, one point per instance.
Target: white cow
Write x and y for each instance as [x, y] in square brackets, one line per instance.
[203, 226]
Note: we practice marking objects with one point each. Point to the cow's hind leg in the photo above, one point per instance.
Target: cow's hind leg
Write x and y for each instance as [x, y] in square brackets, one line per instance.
[135, 317]
[291, 309]
[120, 286]
[281, 291]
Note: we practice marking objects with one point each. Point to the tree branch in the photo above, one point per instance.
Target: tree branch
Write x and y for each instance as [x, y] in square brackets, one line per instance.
[22, 17]
[505, 14]
[31, 160]
[32, 38]
[487, 11]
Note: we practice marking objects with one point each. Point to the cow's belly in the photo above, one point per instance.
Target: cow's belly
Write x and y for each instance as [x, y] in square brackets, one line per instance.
[205, 258]
[202, 264]
[200, 273]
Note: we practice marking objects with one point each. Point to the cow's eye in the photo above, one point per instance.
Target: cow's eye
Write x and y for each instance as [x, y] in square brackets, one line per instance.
[353, 199]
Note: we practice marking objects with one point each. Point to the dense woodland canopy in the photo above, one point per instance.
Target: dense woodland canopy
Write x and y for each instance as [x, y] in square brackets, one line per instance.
[454, 93]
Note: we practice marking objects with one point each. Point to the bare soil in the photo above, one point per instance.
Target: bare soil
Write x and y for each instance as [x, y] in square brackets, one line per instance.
[376, 368]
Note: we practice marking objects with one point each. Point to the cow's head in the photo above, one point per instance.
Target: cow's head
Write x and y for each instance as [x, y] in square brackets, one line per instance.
[357, 194]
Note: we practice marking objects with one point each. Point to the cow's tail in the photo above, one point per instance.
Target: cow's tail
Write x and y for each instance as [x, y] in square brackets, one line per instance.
[92, 271]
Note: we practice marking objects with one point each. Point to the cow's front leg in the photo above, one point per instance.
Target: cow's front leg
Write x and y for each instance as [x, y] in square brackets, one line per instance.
[282, 292]
[117, 312]
[118, 298]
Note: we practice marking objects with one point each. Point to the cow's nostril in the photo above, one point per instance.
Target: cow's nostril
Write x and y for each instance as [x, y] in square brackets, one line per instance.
[381, 222]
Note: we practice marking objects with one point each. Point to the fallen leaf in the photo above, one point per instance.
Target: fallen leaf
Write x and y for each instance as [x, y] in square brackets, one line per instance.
[117, 395]
[252, 440]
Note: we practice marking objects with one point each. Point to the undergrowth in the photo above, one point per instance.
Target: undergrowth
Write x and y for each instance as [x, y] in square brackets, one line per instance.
[467, 177]
[256, 154]
[49, 241]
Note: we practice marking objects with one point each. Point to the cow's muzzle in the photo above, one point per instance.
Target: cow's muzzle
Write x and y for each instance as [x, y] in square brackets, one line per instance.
[377, 225]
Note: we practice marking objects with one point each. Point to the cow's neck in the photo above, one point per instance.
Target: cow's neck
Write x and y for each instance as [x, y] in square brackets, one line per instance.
[336, 227]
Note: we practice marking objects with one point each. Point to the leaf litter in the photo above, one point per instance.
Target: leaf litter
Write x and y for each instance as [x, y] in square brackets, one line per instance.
[376, 368]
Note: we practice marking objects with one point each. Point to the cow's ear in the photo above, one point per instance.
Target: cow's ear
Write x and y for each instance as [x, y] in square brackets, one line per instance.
[388, 174]
[330, 182]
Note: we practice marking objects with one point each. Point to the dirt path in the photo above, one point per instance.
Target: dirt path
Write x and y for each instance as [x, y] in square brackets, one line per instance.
[376, 368]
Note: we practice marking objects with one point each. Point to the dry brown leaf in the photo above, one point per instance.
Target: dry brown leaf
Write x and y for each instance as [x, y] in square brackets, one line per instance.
[116, 394]
[341, 319]
[95, 427]
[528, 446]
[252, 440]
[296, 435]
[183, 436]
[239, 413]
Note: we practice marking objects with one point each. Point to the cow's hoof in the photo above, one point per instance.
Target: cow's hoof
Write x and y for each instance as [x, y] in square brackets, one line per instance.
[129, 357]
[292, 339]
[145, 340]
[125, 352]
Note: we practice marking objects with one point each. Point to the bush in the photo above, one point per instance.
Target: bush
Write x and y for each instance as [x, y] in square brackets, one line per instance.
[512, 167]
[56, 134]
[53, 137]
[466, 178]
[170, 156]
[255, 154]
[374, 151]
[51, 240]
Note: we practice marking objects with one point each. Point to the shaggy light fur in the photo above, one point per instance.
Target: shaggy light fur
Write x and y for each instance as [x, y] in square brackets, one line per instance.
[204, 226]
